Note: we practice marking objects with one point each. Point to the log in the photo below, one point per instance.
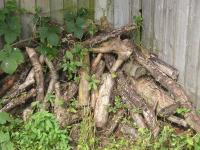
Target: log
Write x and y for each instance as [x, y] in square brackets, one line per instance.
[123, 48]
[191, 117]
[103, 101]
[71, 91]
[109, 60]
[19, 100]
[128, 130]
[38, 72]
[152, 94]
[134, 69]
[96, 62]
[106, 36]
[7, 83]
[165, 68]
[178, 121]
[95, 92]
[127, 92]
[84, 95]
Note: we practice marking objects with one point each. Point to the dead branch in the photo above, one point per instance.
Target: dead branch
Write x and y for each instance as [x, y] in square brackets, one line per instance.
[71, 91]
[127, 93]
[106, 36]
[96, 62]
[178, 121]
[128, 130]
[109, 60]
[122, 48]
[38, 72]
[103, 101]
[84, 96]
[19, 100]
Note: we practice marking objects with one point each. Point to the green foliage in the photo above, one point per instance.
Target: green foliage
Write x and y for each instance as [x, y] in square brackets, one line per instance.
[118, 104]
[182, 111]
[49, 35]
[87, 138]
[73, 105]
[78, 23]
[93, 82]
[42, 132]
[137, 32]
[73, 60]
[10, 29]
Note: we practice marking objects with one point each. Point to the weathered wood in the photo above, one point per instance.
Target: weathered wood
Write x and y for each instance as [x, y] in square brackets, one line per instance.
[191, 117]
[96, 62]
[127, 92]
[71, 91]
[56, 8]
[122, 9]
[44, 5]
[70, 5]
[128, 130]
[7, 83]
[153, 94]
[38, 72]
[1, 40]
[84, 96]
[166, 68]
[177, 121]
[103, 101]
[109, 60]
[134, 69]
[135, 6]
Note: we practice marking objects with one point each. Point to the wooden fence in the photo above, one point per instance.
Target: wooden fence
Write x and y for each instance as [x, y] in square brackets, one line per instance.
[170, 27]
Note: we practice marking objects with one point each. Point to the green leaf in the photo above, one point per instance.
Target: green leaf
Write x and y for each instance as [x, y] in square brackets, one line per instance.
[9, 65]
[70, 26]
[10, 36]
[43, 33]
[53, 39]
[4, 117]
[79, 33]
[69, 16]
[3, 55]
[69, 55]
[17, 56]
[80, 22]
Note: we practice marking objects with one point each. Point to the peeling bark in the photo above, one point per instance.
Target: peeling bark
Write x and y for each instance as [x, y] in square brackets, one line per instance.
[103, 101]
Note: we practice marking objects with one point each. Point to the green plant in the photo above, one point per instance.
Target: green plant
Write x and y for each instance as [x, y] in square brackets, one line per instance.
[118, 104]
[42, 132]
[93, 82]
[182, 111]
[48, 35]
[79, 23]
[137, 32]
[73, 105]
[73, 60]
[87, 137]
[10, 29]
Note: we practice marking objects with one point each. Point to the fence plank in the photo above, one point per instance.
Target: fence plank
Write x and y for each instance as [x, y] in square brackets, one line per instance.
[83, 4]
[56, 8]
[121, 12]
[198, 82]
[45, 6]
[1, 6]
[181, 37]
[1, 3]
[70, 5]
[27, 19]
[192, 54]
[104, 8]
[148, 22]
[136, 6]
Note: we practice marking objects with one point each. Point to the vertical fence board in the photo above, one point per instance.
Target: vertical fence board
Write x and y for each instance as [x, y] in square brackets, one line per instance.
[148, 19]
[83, 4]
[1, 3]
[191, 68]
[56, 10]
[1, 6]
[181, 36]
[198, 82]
[44, 5]
[27, 19]
[104, 8]
[70, 5]
[136, 6]
[121, 12]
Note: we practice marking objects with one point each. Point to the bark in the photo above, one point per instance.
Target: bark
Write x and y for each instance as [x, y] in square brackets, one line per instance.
[103, 101]
[178, 121]
[180, 96]
[127, 92]
[19, 100]
[113, 124]
[84, 94]
[96, 62]
[134, 69]
[123, 48]
[109, 60]
[128, 130]
[71, 91]
[164, 67]
[152, 94]
[7, 83]
[106, 36]
[98, 74]
[38, 72]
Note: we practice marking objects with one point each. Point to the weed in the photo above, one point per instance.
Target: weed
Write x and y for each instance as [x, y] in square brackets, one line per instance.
[137, 32]
[182, 111]
[93, 82]
[118, 104]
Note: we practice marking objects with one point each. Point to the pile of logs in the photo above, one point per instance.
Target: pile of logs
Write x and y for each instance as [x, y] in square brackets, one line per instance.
[141, 79]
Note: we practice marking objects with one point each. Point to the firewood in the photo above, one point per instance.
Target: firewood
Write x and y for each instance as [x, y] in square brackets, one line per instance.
[109, 60]
[103, 101]
[19, 100]
[123, 48]
[96, 62]
[71, 91]
[128, 130]
[38, 72]
[127, 92]
[152, 93]
[84, 96]
[191, 117]
[134, 69]
[95, 92]
[106, 36]
[164, 67]
[178, 121]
